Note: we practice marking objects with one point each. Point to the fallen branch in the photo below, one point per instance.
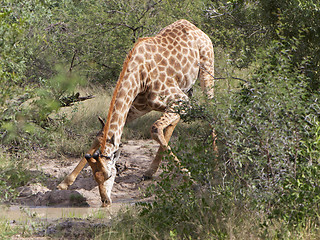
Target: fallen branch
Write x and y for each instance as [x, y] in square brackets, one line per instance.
[71, 100]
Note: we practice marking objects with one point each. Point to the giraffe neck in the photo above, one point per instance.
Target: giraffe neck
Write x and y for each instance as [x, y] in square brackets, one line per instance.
[118, 113]
[124, 94]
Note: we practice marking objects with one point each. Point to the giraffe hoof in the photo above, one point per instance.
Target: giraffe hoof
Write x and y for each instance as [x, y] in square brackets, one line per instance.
[62, 186]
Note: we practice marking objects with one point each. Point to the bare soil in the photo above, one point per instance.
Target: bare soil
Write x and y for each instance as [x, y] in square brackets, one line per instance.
[136, 156]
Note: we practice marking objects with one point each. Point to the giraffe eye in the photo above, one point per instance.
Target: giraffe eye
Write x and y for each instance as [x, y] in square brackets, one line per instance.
[96, 154]
[87, 156]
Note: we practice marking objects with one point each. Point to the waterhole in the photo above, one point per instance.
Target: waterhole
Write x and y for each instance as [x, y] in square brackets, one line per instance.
[22, 213]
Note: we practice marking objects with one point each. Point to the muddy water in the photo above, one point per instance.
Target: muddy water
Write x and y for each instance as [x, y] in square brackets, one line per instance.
[23, 213]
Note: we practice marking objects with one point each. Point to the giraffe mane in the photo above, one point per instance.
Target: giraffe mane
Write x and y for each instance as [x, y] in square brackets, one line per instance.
[115, 92]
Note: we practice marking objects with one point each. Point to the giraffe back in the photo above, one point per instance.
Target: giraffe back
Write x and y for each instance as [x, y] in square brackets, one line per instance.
[171, 62]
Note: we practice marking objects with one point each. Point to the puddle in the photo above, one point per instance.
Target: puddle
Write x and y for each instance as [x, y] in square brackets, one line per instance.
[22, 213]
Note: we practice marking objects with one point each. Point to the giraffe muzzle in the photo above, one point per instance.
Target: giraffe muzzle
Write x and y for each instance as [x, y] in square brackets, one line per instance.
[96, 155]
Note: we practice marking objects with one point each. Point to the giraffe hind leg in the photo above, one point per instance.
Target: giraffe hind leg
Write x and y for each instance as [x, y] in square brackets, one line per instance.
[157, 160]
[159, 134]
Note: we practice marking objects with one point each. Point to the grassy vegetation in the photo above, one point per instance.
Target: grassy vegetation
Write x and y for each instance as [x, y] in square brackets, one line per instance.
[238, 225]
[6, 231]
[13, 174]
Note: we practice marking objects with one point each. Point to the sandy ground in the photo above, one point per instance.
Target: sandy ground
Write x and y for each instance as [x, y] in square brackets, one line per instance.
[136, 156]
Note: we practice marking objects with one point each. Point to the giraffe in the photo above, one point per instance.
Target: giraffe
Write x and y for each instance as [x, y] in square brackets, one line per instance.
[157, 74]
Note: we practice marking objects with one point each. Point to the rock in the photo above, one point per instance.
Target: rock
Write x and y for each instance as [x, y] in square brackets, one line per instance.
[32, 189]
[64, 198]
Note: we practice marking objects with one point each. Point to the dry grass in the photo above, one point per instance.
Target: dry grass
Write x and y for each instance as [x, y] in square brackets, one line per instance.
[79, 124]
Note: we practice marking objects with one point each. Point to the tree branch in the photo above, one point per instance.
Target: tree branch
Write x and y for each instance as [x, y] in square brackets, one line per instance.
[72, 61]
[215, 78]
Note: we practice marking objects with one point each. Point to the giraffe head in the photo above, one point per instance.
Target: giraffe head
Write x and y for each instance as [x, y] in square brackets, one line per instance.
[103, 165]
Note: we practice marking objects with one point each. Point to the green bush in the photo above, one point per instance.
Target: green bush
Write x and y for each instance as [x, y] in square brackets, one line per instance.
[300, 196]
[13, 174]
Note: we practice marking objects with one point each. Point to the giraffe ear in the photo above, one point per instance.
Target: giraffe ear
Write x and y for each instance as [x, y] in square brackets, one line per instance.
[101, 121]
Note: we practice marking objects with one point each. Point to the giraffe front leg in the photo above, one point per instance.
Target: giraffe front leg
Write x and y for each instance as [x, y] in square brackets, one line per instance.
[74, 174]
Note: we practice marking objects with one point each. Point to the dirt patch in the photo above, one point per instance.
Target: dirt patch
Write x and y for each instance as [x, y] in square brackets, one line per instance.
[136, 156]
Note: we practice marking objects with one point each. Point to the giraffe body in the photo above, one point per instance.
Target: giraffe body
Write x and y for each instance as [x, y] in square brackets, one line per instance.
[157, 73]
